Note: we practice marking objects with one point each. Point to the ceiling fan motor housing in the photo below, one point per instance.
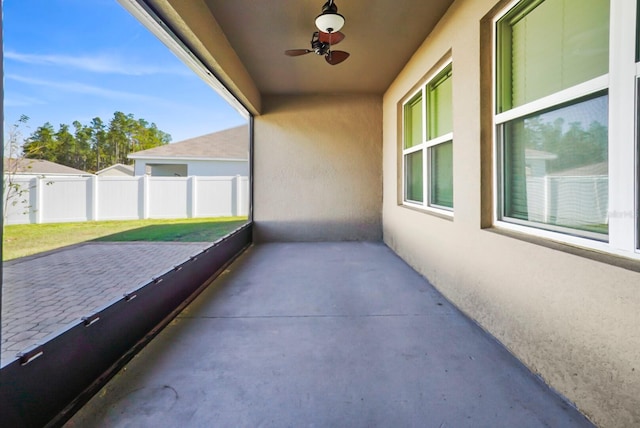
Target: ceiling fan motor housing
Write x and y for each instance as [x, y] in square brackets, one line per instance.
[319, 48]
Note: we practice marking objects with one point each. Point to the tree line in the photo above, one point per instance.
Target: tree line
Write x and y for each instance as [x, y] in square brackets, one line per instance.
[94, 146]
[574, 144]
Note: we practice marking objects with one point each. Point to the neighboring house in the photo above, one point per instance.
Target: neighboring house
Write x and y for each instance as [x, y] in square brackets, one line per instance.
[24, 183]
[24, 166]
[223, 153]
[117, 170]
[536, 162]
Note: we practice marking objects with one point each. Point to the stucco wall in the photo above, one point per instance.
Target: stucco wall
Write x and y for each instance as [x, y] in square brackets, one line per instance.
[573, 320]
[317, 172]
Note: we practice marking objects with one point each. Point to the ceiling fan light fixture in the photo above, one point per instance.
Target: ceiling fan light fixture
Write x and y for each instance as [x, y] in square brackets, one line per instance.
[329, 21]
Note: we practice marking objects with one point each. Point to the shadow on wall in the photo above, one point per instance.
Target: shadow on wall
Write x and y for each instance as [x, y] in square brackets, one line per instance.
[317, 231]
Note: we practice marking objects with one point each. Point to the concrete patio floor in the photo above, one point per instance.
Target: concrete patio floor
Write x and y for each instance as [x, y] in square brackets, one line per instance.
[324, 334]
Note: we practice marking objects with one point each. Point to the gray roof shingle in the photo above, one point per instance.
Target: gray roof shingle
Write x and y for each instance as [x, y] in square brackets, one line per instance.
[230, 143]
[38, 166]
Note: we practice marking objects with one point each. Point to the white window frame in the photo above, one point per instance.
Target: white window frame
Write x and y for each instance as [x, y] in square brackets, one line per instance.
[620, 83]
[424, 147]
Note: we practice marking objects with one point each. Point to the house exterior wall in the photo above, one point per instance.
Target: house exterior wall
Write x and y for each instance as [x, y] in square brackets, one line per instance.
[193, 167]
[317, 169]
[570, 318]
[167, 170]
[225, 168]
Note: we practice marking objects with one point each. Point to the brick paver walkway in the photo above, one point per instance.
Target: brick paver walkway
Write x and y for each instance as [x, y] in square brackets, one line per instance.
[42, 294]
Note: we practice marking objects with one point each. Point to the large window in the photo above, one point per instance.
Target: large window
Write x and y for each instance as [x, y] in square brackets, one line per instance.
[564, 121]
[428, 144]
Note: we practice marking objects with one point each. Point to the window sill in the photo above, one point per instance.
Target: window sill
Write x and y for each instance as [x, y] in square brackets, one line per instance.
[588, 253]
[446, 215]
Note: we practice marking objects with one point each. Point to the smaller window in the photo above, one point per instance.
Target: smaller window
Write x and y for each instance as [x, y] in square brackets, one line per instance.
[428, 144]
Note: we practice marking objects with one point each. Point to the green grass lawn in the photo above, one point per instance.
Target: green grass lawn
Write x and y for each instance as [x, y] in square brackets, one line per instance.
[27, 239]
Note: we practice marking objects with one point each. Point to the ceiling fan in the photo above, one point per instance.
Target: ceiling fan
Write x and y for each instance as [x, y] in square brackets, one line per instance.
[328, 23]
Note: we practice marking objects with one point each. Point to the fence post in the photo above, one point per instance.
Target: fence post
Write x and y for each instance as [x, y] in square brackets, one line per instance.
[94, 198]
[192, 208]
[38, 204]
[145, 196]
[238, 185]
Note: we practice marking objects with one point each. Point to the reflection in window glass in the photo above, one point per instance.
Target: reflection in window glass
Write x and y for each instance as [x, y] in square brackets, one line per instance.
[442, 175]
[413, 122]
[555, 167]
[547, 46]
[413, 168]
[440, 108]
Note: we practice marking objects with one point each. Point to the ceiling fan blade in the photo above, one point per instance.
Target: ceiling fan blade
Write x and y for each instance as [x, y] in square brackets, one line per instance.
[336, 57]
[297, 52]
[331, 38]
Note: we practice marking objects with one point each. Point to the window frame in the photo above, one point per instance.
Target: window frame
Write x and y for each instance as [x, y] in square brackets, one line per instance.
[622, 85]
[425, 145]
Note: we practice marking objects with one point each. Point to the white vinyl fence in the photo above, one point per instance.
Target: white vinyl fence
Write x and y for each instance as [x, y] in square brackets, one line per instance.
[569, 200]
[64, 199]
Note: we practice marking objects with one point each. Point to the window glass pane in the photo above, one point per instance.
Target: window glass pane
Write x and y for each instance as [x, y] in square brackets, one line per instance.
[413, 121]
[547, 46]
[555, 167]
[440, 110]
[442, 175]
[413, 171]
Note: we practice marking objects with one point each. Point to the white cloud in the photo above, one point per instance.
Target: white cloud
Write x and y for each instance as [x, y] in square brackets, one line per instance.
[82, 88]
[18, 100]
[97, 64]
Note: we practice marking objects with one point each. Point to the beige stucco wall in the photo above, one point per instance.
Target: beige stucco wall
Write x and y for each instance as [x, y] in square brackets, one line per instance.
[573, 320]
[317, 172]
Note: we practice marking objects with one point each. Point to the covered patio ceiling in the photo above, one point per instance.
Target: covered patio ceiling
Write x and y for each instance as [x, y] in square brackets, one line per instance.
[381, 36]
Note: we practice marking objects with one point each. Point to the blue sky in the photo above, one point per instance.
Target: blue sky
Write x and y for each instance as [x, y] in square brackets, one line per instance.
[67, 60]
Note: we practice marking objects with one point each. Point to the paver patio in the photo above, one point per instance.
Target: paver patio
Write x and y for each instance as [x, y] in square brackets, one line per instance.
[42, 294]
[324, 334]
